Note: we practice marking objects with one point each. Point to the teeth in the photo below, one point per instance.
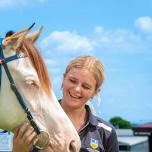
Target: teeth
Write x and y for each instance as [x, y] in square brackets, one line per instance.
[75, 96]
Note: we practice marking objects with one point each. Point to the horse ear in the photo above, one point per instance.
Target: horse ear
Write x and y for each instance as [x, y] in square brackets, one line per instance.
[35, 35]
[15, 40]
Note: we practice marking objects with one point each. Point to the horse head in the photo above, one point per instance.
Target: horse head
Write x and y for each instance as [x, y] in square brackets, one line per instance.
[31, 78]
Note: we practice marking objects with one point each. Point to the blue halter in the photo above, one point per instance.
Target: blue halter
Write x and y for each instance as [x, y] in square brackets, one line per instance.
[3, 62]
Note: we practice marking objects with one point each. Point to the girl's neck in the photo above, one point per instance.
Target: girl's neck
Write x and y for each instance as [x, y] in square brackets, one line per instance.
[77, 116]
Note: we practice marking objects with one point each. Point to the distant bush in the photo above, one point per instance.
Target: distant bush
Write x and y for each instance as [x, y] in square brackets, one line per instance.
[119, 122]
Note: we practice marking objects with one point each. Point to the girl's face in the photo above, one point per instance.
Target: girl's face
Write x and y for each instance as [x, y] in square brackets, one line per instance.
[78, 87]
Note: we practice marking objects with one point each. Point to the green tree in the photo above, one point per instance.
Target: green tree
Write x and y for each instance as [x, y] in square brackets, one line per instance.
[120, 122]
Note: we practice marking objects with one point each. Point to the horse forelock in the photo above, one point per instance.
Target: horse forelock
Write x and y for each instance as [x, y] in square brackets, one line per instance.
[36, 59]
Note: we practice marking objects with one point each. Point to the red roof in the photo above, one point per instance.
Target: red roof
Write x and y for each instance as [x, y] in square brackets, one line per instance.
[143, 128]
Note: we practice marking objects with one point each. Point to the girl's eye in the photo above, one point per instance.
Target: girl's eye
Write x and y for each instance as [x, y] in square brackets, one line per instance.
[73, 81]
[86, 87]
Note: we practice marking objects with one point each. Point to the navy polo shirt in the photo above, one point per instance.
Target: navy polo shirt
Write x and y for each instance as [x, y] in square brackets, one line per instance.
[98, 135]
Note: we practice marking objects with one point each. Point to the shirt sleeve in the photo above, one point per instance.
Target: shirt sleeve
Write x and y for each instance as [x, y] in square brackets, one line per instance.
[112, 143]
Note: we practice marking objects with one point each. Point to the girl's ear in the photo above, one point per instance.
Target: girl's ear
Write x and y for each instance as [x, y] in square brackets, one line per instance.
[64, 75]
[97, 91]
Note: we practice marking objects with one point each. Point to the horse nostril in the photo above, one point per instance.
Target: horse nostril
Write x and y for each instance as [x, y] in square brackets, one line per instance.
[72, 146]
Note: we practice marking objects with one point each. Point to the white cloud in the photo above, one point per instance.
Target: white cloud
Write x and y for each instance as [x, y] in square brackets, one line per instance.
[5, 4]
[116, 40]
[144, 24]
[63, 43]
[67, 42]
[99, 30]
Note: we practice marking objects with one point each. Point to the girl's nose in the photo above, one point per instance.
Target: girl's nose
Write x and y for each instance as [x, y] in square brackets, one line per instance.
[78, 88]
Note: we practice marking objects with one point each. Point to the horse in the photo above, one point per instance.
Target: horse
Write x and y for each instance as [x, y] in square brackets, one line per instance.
[31, 80]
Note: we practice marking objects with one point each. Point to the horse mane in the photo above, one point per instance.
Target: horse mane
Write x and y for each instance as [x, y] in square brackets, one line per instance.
[33, 53]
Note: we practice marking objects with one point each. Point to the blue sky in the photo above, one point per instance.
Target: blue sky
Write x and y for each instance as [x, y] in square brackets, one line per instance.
[118, 32]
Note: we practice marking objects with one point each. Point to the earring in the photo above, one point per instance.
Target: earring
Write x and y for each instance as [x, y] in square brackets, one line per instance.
[91, 99]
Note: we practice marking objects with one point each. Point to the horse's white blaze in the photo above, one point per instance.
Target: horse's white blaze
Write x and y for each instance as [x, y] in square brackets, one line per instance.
[46, 110]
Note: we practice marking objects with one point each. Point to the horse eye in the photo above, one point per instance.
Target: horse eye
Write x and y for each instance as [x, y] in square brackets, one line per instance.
[31, 83]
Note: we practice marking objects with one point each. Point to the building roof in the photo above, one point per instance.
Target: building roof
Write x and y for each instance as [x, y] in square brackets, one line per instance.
[143, 128]
[126, 137]
[131, 141]
[124, 132]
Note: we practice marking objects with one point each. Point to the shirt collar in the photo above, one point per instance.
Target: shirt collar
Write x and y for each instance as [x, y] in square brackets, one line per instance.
[91, 118]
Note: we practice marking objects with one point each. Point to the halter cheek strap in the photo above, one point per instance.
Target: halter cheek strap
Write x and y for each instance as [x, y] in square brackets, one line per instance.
[3, 62]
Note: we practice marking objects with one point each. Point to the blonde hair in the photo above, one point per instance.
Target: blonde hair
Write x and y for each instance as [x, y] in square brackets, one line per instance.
[90, 63]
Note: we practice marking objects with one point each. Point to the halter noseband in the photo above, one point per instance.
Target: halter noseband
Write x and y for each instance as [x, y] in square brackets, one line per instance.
[3, 62]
